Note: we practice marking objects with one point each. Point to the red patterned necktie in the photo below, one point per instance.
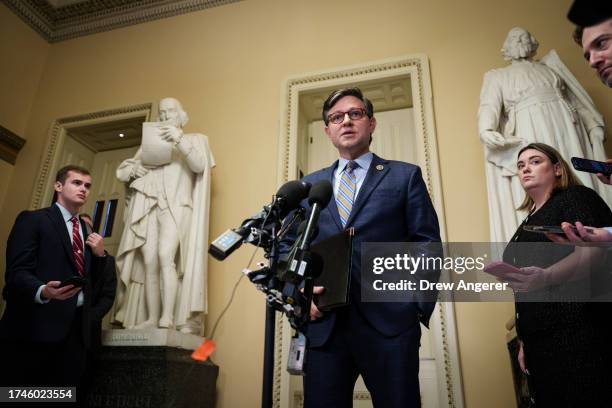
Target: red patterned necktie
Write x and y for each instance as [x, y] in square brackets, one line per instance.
[77, 246]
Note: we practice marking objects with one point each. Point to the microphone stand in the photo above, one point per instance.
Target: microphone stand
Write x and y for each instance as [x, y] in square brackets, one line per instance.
[269, 240]
[270, 244]
[268, 366]
[270, 325]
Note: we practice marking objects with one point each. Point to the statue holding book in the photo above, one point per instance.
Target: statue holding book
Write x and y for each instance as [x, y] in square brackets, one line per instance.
[162, 253]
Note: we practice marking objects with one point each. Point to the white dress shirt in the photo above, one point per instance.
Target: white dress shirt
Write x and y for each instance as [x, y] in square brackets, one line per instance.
[67, 220]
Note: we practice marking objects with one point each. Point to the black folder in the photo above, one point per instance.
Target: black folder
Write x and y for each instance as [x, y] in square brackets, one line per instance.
[336, 253]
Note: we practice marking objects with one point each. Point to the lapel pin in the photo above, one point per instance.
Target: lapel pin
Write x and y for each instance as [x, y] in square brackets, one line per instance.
[380, 167]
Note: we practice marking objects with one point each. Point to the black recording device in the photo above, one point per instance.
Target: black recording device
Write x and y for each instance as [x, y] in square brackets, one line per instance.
[298, 269]
[318, 198]
[77, 281]
[255, 229]
[288, 280]
[232, 239]
[592, 166]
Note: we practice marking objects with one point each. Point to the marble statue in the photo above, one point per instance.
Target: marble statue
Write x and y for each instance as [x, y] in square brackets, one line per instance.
[532, 101]
[162, 253]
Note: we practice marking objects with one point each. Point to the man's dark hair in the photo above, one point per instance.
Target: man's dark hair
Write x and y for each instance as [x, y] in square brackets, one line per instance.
[577, 35]
[62, 174]
[338, 94]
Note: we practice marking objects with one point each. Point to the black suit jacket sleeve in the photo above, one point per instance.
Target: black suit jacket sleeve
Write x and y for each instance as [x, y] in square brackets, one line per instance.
[422, 221]
[104, 284]
[21, 260]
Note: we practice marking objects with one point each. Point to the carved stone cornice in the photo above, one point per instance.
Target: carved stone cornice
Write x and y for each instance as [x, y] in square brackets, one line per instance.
[56, 24]
[10, 145]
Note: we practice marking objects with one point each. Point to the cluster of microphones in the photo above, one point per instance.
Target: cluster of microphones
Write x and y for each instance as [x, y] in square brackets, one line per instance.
[288, 279]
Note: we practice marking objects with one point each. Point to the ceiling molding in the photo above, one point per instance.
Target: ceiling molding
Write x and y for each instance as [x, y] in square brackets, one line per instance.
[76, 19]
[10, 145]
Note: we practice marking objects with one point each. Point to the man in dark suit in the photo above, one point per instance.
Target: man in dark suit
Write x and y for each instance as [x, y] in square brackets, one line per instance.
[45, 328]
[384, 201]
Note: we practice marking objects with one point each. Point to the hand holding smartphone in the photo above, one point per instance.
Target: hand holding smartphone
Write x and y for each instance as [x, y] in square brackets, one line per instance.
[551, 229]
[76, 281]
[592, 166]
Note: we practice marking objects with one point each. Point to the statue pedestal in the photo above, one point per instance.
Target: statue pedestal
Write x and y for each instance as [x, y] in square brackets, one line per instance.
[154, 369]
[150, 337]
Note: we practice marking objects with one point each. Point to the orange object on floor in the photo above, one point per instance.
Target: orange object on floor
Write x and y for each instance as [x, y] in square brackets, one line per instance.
[205, 350]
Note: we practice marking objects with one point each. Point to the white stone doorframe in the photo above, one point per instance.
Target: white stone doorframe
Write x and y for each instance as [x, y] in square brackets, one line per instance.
[417, 68]
[42, 194]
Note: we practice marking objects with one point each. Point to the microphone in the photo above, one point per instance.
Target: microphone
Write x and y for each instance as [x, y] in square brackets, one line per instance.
[232, 239]
[298, 259]
[302, 227]
[290, 195]
[320, 194]
[286, 199]
[304, 266]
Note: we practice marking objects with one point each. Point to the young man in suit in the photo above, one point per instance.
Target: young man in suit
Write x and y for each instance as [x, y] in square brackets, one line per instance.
[593, 19]
[45, 328]
[384, 201]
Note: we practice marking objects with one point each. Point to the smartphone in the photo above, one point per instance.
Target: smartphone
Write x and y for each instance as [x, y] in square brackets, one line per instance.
[75, 281]
[592, 166]
[551, 229]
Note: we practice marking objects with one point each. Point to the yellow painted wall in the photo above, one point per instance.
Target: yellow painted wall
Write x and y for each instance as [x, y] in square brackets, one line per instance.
[6, 173]
[227, 64]
[23, 54]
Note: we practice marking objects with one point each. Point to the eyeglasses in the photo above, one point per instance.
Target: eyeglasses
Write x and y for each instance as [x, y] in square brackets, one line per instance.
[354, 114]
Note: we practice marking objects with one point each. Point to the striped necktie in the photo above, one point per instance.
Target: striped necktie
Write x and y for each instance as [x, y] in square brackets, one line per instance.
[346, 192]
[77, 246]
